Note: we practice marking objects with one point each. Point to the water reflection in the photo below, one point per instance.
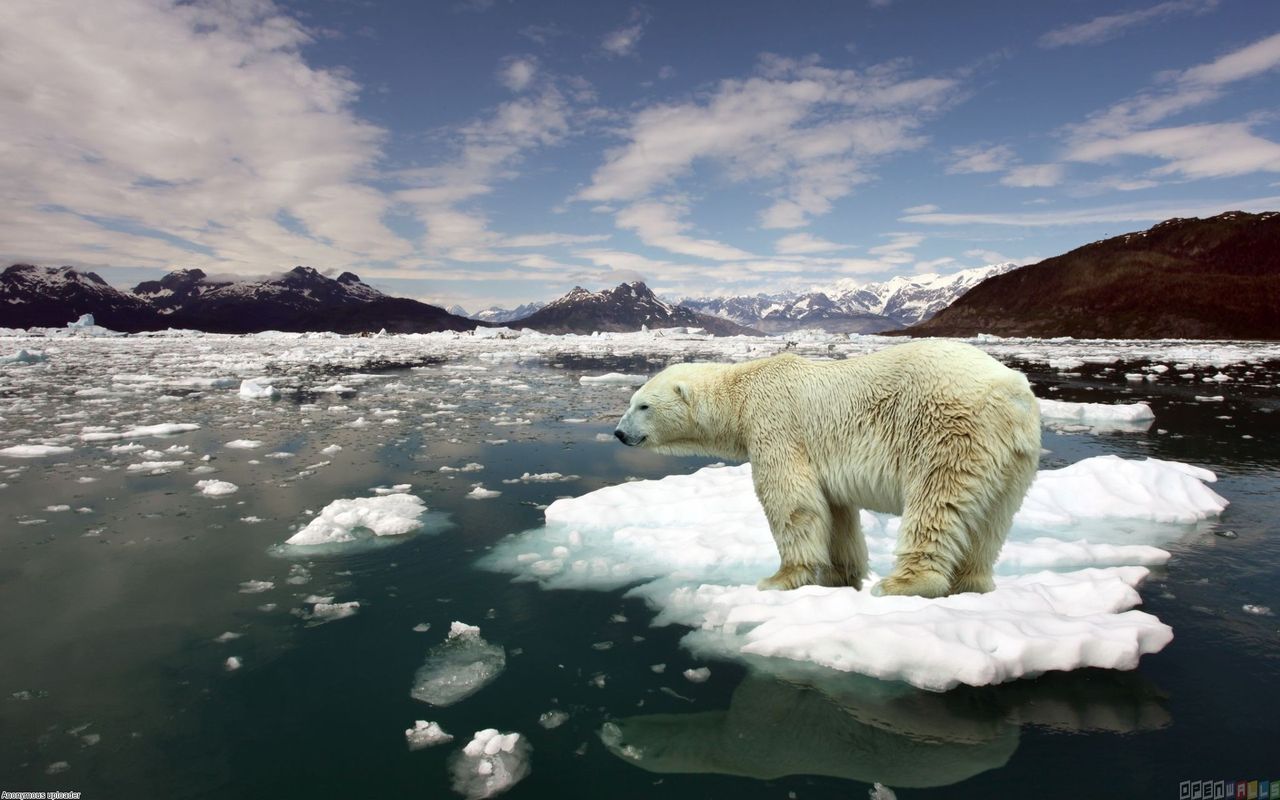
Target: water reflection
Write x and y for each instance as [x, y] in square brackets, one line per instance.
[857, 728]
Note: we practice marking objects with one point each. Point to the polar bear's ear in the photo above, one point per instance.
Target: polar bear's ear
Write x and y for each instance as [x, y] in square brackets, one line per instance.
[683, 392]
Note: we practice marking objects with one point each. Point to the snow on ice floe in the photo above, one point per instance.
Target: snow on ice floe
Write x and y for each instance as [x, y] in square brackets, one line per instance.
[22, 356]
[257, 389]
[212, 488]
[1098, 417]
[461, 665]
[1066, 584]
[243, 444]
[362, 518]
[34, 450]
[614, 377]
[426, 734]
[490, 764]
[162, 429]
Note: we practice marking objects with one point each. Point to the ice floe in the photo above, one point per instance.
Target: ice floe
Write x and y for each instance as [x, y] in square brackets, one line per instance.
[257, 389]
[212, 488]
[461, 665]
[361, 518]
[490, 764]
[614, 377]
[426, 734]
[1099, 417]
[694, 545]
[34, 450]
[161, 429]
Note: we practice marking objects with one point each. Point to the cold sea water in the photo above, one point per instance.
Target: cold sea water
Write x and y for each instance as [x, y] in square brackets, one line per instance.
[124, 591]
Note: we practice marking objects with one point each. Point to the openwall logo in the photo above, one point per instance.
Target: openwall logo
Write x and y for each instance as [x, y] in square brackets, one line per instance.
[1229, 790]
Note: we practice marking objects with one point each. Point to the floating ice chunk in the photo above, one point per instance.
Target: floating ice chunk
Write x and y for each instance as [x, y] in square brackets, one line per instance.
[59, 767]
[257, 389]
[490, 764]
[553, 719]
[34, 450]
[699, 675]
[399, 488]
[614, 377]
[243, 444]
[1098, 416]
[461, 665]
[154, 467]
[348, 520]
[328, 612]
[1262, 611]
[212, 488]
[1217, 398]
[471, 467]
[59, 507]
[162, 429]
[478, 492]
[331, 449]
[541, 477]
[131, 447]
[24, 357]
[256, 587]
[426, 734]
[232, 664]
[227, 636]
[336, 388]
[694, 545]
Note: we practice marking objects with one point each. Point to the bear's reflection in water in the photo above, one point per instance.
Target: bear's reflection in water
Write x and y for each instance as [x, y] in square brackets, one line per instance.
[862, 729]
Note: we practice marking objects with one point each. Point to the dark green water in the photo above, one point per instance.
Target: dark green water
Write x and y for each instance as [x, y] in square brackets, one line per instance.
[108, 618]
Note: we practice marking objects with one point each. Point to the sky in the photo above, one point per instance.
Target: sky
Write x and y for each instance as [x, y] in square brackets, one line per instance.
[494, 152]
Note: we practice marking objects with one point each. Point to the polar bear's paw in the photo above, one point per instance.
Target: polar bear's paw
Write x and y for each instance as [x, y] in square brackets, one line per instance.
[789, 577]
[921, 584]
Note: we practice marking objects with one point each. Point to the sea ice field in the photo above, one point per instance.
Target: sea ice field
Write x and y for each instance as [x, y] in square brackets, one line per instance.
[319, 566]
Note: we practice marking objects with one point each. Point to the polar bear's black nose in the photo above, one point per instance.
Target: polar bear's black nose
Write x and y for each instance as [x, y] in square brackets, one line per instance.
[622, 437]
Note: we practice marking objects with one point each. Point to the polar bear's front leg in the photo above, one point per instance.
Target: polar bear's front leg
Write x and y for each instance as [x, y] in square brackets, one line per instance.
[848, 548]
[799, 520]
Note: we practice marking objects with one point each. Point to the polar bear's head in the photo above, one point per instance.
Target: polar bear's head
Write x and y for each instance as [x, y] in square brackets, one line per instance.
[662, 415]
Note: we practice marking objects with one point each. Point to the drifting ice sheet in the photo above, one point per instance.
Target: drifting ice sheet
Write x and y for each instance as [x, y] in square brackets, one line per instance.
[344, 520]
[491, 763]
[457, 668]
[1066, 580]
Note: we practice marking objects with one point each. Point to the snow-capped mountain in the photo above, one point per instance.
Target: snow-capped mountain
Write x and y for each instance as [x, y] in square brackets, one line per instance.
[500, 316]
[848, 306]
[53, 296]
[628, 307]
[301, 299]
[298, 300]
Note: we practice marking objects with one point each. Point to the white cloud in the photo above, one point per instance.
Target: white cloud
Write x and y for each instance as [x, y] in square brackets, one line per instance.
[1034, 175]
[1196, 151]
[659, 224]
[1146, 212]
[517, 72]
[922, 209]
[193, 147]
[623, 41]
[802, 133]
[980, 158]
[805, 244]
[1104, 28]
[897, 250]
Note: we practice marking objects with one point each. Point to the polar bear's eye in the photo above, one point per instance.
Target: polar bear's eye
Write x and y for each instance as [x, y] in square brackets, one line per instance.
[644, 406]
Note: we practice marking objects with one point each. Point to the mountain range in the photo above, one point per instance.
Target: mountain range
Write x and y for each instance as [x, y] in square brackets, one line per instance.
[848, 306]
[627, 307]
[1215, 278]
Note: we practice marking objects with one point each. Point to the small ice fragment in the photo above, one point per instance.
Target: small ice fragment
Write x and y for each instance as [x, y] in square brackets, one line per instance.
[1262, 611]
[254, 587]
[60, 507]
[232, 664]
[613, 377]
[658, 668]
[552, 719]
[331, 449]
[1227, 534]
[881, 792]
[478, 492]
[425, 734]
[422, 627]
[490, 764]
[227, 636]
[243, 444]
[251, 520]
[57, 768]
[212, 488]
[256, 389]
[461, 665]
[328, 612]
[698, 675]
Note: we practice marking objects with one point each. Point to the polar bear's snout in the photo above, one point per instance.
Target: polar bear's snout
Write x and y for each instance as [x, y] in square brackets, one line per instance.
[629, 439]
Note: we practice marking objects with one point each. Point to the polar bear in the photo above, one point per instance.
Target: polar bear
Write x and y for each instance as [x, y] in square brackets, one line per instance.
[934, 430]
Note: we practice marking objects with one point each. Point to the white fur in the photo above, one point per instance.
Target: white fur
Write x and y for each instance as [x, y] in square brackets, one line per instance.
[936, 431]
